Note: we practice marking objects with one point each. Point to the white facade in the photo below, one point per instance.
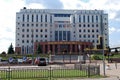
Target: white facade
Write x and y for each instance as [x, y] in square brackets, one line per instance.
[59, 25]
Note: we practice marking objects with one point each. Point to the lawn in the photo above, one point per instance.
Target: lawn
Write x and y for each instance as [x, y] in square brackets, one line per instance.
[43, 74]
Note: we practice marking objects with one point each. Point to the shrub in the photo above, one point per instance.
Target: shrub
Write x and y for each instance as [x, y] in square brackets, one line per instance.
[95, 57]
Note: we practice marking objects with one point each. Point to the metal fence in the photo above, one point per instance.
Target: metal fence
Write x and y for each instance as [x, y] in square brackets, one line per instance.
[48, 72]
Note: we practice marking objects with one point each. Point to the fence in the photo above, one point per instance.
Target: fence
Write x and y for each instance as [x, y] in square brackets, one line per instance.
[48, 72]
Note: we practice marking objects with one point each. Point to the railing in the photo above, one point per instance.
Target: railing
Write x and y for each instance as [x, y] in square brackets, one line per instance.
[48, 72]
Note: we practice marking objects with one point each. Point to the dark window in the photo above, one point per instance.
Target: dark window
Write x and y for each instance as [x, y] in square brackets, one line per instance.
[23, 25]
[22, 41]
[50, 19]
[79, 25]
[79, 30]
[23, 30]
[41, 18]
[45, 18]
[56, 35]
[79, 18]
[92, 18]
[96, 18]
[36, 18]
[61, 15]
[27, 18]
[27, 41]
[36, 35]
[60, 35]
[41, 30]
[64, 33]
[27, 30]
[23, 36]
[84, 18]
[27, 36]
[27, 25]
[68, 35]
[36, 30]
[45, 36]
[32, 18]
[88, 19]
[45, 30]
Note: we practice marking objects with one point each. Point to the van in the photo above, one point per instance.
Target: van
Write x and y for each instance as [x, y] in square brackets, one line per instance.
[43, 62]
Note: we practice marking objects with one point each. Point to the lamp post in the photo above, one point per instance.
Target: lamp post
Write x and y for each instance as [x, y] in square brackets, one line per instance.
[103, 54]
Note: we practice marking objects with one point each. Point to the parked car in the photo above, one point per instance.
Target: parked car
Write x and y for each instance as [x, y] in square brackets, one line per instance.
[43, 62]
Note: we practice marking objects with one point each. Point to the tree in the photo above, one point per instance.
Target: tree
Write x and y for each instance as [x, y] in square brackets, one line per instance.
[39, 50]
[10, 49]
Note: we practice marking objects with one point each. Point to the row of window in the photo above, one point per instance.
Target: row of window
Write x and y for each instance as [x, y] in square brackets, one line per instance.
[36, 30]
[88, 36]
[35, 18]
[88, 30]
[23, 35]
[36, 25]
[28, 41]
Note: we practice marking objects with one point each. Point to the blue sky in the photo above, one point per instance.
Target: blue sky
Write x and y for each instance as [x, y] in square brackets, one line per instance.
[9, 8]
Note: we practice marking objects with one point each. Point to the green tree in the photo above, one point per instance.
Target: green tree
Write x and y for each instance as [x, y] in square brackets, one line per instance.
[10, 49]
[39, 50]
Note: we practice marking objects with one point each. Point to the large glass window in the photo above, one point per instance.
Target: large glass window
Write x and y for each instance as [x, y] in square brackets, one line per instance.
[64, 33]
[68, 35]
[56, 35]
[60, 35]
[61, 15]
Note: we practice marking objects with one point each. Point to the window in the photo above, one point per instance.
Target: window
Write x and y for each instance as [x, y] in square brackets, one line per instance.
[79, 30]
[32, 18]
[84, 36]
[92, 30]
[23, 17]
[88, 36]
[41, 30]
[84, 25]
[41, 36]
[84, 18]
[45, 30]
[88, 25]
[23, 30]
[27, 18]
[41, 25]
[96, 25]
[88, 30]
[41, 18]
[73, 19]
[27, 36]
[36, 18]
[92, 18]
[23, 25]
[97, 30]
[50, 19]
[22, 41]
[23, 36]
[36, 25]
[92, 36]
[36, 36]
[79, 36]
[27, 41]
[92, 25]
[79, 25]
[27, 25]
[46, 18]
[27, 30]
[79, 18]
[88, 19]
[36, 30]
[96, 18]
[84, 30]
[45, 36]
[61, 15]
[32, 24]
[45, 25]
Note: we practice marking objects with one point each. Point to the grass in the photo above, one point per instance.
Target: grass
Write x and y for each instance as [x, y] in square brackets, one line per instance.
[43, 74]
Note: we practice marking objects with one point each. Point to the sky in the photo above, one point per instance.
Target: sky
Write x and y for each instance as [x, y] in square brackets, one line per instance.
[8, 9]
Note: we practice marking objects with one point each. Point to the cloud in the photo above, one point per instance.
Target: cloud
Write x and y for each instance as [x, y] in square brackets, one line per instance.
[7, 22]
[114, 30]
[51, 4]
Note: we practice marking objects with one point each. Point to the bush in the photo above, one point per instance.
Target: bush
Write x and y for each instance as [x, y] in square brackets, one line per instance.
[95, 57]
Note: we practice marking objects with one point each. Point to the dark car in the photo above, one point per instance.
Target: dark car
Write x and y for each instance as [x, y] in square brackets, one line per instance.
[42, 62]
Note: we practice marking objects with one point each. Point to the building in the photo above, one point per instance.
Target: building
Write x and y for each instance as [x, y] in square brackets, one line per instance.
[59, 26]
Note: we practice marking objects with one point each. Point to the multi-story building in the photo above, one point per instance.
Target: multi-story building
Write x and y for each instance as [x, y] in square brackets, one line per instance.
[57, 25]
